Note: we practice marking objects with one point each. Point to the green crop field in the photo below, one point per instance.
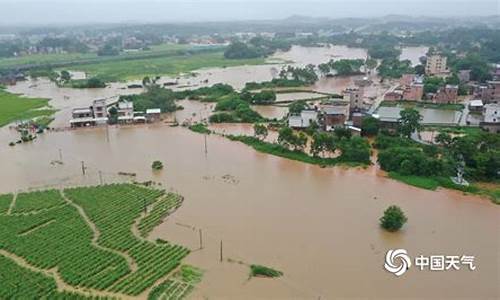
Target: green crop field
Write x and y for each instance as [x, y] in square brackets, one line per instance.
[172, 65]
[87, 241]
[14, 107]
[47, 59]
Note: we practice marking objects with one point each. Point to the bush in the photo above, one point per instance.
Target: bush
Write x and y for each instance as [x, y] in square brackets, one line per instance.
[222, 117]
[157, 165]
[258, 270]
[393, 219]
[355, 149]
[200, 128]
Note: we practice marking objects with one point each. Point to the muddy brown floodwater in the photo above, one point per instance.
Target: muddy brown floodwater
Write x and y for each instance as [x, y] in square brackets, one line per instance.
[319, 226]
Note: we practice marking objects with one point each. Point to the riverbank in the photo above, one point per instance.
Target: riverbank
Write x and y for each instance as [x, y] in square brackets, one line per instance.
[433, 183]
[278, 150]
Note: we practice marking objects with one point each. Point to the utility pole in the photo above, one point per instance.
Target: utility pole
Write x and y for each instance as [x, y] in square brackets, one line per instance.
[100, 176]
[206, 149]
[83, 167]
[221, 251]
[201, 239]
[60, 155]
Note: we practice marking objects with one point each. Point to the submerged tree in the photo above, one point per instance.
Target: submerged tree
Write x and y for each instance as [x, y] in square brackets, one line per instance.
[260, 131]
[393, 218]
[157, 165]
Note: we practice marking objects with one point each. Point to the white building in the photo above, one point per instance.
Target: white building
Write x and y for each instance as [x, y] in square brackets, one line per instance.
[303, 120]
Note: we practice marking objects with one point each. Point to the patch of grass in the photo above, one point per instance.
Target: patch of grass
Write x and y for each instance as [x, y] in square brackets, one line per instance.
[432, 183]
[14, 107]
[200, 128]
[427, 183]
[258, 271]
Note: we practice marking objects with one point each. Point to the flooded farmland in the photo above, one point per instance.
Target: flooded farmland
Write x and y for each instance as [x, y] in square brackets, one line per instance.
[317, 225]
[314, 224]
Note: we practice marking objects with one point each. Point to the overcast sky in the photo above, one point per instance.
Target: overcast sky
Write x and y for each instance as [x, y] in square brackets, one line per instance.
[14, 12]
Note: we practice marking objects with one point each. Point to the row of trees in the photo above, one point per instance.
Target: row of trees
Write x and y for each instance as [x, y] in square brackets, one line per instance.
[321, 144]
[342, 67]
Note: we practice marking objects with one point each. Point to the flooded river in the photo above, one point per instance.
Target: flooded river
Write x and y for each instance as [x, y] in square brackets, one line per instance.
[317, 225]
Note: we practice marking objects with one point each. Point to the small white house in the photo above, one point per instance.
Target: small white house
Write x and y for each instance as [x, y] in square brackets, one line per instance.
[153, 114]
[305, 119]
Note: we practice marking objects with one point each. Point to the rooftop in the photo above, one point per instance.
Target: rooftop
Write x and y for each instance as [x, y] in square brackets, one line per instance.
[476, 103]
[153, 111]
[492, 113]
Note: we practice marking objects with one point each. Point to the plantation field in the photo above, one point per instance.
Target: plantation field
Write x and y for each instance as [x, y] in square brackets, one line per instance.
[66, 58]
[83, 242]
[172, 65]
[14, 107]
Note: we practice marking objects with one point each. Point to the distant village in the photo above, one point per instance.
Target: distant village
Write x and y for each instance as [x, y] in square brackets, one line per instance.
[482, 110]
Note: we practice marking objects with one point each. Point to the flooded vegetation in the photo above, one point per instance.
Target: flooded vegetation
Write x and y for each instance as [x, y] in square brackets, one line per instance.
[198, 204]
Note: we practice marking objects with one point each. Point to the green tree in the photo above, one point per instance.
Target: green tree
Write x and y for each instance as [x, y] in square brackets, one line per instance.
[342, 133]
[286, 137]
[299, 141]
[393, 218]
[371, 63]
[409, 121]
[297, 107]
[260, 131]
[324, 69]
[95, 83]
[444, 139]
[65, 75]
[370, 126]
[146, 81]
[322, 142]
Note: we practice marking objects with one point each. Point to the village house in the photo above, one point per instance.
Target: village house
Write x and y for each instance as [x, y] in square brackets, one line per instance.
[413, 92]
[489, 93]
[334, 115]
[303, 120]
[491, 118]
[153, 115]
[125, 112]
[446, 95]
[355, 98]
[97, 114]
[436, 65]
[411, 88]
[476, 106]
[396, 95]
[82, 117]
